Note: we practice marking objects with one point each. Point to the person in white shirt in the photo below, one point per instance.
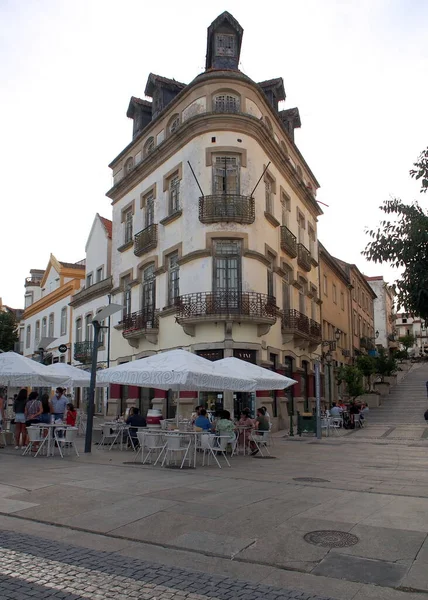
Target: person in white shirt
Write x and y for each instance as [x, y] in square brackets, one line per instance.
[336, 411]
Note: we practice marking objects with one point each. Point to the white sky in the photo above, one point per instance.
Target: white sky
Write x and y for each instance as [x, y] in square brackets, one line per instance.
[357, 70]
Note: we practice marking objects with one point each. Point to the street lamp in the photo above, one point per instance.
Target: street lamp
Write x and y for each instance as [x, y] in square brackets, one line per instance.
[104, 313]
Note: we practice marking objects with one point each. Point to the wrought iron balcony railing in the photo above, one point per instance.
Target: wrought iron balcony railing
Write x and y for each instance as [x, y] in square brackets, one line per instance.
[226, 208]
[83, 351]
[303, 257]
[294, 322]
[226, 303]
[140, 322]
[146, 240]
[288, 242]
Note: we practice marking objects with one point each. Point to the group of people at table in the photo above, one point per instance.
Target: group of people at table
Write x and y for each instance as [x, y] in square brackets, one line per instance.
[349, 414]
[30, 409]
[219, 424]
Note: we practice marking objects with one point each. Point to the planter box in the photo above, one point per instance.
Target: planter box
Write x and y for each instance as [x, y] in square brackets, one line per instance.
[392, 379]
[372, 400]
[382, 388]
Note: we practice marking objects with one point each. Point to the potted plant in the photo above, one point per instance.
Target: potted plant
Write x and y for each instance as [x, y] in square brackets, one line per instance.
[367, 365]
[353, 379]
[386, 366]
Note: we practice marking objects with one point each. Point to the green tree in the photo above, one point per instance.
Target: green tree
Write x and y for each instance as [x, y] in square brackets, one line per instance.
[407, 341]
[353, 379]
[385, 365]
[8, 331]
[367, 366]
[401, 240]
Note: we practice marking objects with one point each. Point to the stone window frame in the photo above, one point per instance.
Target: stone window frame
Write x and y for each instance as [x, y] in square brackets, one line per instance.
[149, 146]
[175, 117]
[128, 165]
[225, 150]
[229, 36]
[150, 192]
[285, 200]
[269, 212]
[171, 215]
[128, 208]
[226, 92]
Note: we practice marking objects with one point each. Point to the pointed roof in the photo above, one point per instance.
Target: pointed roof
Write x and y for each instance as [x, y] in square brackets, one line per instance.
[136, 102]
[276, 84]
[108, 225]
[59, 267]
[153, 79]
[225, 17]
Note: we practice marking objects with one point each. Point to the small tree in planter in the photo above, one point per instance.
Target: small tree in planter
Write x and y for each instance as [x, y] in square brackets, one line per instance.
[353, 380]
[407, 341]
[385, 367]
[367, 366]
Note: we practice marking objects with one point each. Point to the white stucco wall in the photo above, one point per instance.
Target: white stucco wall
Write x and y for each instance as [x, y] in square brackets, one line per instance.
[97, 251]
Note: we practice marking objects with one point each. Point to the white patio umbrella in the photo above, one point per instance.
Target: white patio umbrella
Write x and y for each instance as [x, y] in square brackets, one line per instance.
[264, 378]
[16, 370]
[72, 376]
[176, 370]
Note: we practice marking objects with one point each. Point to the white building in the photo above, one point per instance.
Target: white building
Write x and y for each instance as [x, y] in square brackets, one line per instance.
[47, 312]
[90, 299]
[415, 326]
[214, 242]
[384, 314]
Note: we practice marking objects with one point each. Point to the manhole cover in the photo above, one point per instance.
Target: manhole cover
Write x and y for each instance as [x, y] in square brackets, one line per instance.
[311, 479]
[264, 456]
[331, 539]
[178, 467]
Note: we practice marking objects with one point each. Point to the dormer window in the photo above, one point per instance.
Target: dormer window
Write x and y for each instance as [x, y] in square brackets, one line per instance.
[226, 103]
[225, 44]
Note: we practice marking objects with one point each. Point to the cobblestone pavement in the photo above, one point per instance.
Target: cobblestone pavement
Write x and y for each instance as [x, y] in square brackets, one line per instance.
[32, 567]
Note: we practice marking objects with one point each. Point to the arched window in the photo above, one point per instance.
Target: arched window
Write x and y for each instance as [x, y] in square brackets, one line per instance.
[44, 327]
[149, 146]
[129, 165]
[174, 124]
[78, 330]
[226, 103]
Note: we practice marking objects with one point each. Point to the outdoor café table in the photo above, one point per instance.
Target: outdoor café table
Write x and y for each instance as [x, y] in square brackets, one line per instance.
[246, 432]
[193, 439]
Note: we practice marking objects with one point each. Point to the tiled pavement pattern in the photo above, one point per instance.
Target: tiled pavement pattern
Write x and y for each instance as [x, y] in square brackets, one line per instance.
[32, 567]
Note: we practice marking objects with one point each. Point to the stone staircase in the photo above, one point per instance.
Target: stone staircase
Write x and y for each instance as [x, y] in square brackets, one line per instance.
[407, 401]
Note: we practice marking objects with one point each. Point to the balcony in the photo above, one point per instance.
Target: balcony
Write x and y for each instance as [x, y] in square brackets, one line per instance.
[83, 351]
[299, 329]
[141, 324]
[100, 288]
[304, 257]
[224, 208]
[288, 242]
[146, 240]
[228, 306]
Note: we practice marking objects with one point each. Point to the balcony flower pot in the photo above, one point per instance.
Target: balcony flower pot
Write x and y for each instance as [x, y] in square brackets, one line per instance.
[382, 387]
[372, 399]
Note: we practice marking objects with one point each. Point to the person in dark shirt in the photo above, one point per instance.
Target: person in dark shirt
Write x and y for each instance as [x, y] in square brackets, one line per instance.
[135, 420]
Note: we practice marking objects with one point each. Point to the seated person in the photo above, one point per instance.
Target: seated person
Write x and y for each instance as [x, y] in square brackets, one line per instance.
[336, 411]
[261, 422]
[224, 426]
[364, 411]
[202, 421]
[135, 420]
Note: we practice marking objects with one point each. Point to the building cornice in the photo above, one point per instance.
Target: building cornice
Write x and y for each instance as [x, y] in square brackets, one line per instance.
[94, 291]
[195, 126]
[68, 289]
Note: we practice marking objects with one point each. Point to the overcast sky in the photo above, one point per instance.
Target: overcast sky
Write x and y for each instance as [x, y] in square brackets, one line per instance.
[356, 69]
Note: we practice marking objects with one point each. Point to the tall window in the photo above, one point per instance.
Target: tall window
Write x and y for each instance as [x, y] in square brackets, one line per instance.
[302, 299]
[334, 294]
[342, 300]
[100, 274]
[226, 103]
[149, 292]
[44, 327]
[225, 44]
[311, 235]
[226, 175]
[128, 225]
[64, 321]
[78, 330]
[28, 337]
[285, 209]
[101, 337]
[37, 334]
[88, 328]
[270, 276]
[174, 194]
[269, 196]
[301, 228]
[173, 279]
[150, 210]
[286, 291]
[51, 325]
[325, 285]
[126, 283]
[227, 278]
[89, 280]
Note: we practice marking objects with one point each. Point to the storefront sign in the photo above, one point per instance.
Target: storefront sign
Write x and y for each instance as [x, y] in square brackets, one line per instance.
[210, 354]
[62, 348]
[248, 355]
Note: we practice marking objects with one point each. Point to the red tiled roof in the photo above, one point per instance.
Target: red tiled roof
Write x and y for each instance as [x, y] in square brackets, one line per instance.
[108, 226]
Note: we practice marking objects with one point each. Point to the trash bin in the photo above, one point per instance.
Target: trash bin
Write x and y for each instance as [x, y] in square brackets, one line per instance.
[306, 423]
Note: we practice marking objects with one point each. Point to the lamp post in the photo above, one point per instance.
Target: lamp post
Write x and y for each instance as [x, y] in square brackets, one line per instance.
[106, 312]
[327, 357]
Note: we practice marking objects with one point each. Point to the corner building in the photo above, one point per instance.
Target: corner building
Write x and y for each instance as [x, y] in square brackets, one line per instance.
[214, 243]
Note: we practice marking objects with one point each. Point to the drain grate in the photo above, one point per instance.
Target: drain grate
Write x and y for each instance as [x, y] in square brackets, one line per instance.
[311, 479]
[331, 539]
[264, 457]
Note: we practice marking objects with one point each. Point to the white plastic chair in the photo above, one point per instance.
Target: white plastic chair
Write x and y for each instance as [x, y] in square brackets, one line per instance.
[67, 439]
[107, 436]
[261, 440]
[336, 423]
[154, 443]
[176, 444]
[35, 437]
[211, 445]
